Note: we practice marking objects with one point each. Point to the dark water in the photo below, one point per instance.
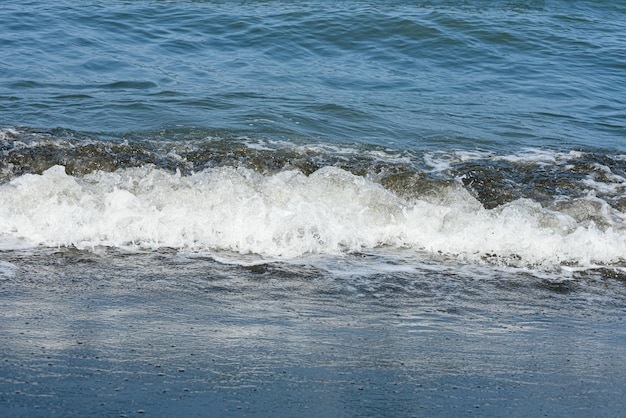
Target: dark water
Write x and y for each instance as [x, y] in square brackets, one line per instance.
[331, 208]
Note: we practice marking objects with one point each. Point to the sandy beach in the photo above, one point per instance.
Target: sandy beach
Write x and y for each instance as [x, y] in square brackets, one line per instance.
[166, 338]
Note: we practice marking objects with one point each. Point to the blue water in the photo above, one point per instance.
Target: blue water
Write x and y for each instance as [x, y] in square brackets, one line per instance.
[316, 208]
[410, 76]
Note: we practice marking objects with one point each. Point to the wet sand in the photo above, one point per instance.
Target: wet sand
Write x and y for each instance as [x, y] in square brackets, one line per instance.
[265, 345]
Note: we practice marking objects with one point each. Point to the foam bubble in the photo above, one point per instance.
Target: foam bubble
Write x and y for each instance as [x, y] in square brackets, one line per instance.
[444, 160]
[604, 180]
[289, 214]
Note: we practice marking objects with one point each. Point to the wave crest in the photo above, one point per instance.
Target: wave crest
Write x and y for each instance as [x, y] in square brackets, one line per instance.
[289, 214]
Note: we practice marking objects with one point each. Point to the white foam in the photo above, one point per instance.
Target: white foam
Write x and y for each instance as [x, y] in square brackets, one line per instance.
[610, 182]
[288, 215]
[7, 133]
[444, 160]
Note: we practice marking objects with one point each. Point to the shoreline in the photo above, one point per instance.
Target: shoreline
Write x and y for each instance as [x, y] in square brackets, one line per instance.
[136, 349]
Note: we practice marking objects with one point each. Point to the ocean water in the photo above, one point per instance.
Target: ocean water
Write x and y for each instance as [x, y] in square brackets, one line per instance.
[461, 165]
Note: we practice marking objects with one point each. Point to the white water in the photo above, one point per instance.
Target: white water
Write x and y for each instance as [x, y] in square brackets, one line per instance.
[288, 215]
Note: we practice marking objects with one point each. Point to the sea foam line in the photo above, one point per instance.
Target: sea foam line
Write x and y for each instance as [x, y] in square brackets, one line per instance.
[288, 215]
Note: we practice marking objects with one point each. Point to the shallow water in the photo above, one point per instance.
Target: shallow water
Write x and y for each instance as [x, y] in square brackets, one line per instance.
[159, 334]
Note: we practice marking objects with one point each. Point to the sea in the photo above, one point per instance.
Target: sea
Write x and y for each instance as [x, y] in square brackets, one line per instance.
[343, 208]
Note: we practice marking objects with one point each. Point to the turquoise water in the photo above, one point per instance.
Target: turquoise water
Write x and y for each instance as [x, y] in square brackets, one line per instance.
[326, 208]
